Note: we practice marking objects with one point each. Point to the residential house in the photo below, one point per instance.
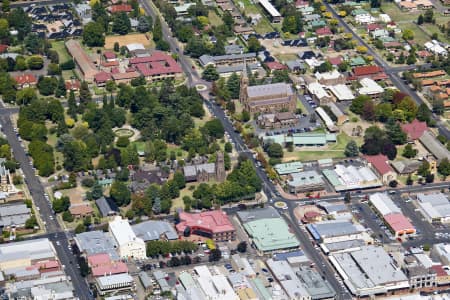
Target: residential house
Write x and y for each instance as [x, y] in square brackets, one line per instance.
[81, 210]
[25, 80]
[380, 164]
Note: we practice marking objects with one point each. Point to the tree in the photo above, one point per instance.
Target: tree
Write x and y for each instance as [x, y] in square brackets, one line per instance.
[35, 62]
[428, 17]
[253, 44]
[444, 168]
[424, 169]
[47, 85]
[409, 180]
[144, 24]
[210, 73]
[120, 193]
[61, 90]
[93, 35]
[275, 150]
[395, 132]
[393, 183]
[97, 191]
[67, 216]
[409, 151]
[423, 113]
[85, 95]
[215, 255]
[179, 180]
[357, 105]
[31, 222]
[228, 147]
[214, 129]
[121, 23]
[61, 204]
[324, 67]
[233, 85]
[351, 149]
[34, 44]
[412, 59]
[242, 247]
[420, 20]
[5, 6]
[72, 106]
[408, 34]
[80, 228]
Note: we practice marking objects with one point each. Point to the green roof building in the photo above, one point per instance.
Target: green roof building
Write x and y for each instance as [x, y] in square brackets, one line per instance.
[359, 11]
[289, 168]
[267, 230]
[357, 61]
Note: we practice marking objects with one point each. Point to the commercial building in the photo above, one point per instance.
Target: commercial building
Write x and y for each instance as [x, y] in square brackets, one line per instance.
[288, 280]
[441, 252]
[370, 88]
[383, 205]
[82, 60]
[319, 93]
[25, 253]
[214, 286]
[14, 215]
[344, 178]
[210, 224]
[434, 207]
[315, 285]
[114, 283]
[333, 231]
[289, 168]
[267, 230]
[330, 78]
[373, 72]
[369, 271]
[242, 265]
[307, 181]
[379, 163]
[95, 242]
[129, 245]
[267, 98]
[155, 230]
[57, 286]
[102, 265]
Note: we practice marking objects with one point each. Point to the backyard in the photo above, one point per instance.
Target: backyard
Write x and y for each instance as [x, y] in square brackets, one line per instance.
[60, 48]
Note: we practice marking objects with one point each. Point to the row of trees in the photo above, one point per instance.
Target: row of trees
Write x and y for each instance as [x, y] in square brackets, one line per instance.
[157, 248]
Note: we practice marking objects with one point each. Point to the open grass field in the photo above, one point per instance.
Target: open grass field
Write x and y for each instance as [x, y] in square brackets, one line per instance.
[214, 19]
[59, 47]
[128, 39]
[397, 14]
[419, 35]
[286, 57]
[432, 28]
[310, 155]
[263, 26]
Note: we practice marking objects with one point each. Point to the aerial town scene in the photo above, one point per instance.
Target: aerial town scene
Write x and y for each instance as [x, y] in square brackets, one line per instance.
[225, 149]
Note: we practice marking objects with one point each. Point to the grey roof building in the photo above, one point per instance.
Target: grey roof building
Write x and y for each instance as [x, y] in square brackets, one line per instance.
[317, 287]
[154, 230]
[14, 214]
[234, 49]
[107, 207]
[227, 59]
[145, 280]
[434, 146]
[335, 228]
[95, 242]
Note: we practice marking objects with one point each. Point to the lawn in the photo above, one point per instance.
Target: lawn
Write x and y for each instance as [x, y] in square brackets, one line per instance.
[397, 14]
[342, 140]
[286, 57]
[68, 74]
[61, 49]
[214, 19]
[178, 202]
[310, 155]
[432, 28]
[302, 107]
[419, 36]
[263, 26]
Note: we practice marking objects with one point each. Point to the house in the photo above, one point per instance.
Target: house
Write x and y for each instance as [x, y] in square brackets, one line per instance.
[380, 165]
[377, 33]
[25, 80]
[129, 245]
[157, 66]
[370, 88]
[73, 85]
[124, 77]
[324, 31]
[210, 224]
[110, 56]
[374, 72]
[101, 78]
[274, 65]
[81, 210]
[415, 129]
[335, 61]
[436, 48]
[372, 27]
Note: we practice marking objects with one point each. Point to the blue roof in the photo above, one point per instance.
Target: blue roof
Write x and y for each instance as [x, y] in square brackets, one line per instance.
[313, 231]
[284, 256]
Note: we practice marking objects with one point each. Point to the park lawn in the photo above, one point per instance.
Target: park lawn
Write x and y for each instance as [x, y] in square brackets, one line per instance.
[342, 140]
[396, 13]
[59, 47]
[286, 57]
[249, 8]
[263, 26]
[178, 202]
[310, 155]
[214, 19]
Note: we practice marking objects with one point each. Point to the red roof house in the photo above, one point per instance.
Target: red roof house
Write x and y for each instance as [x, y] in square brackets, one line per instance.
[110, 269]
[335, 61]
[109, 55]
[98, 259]
[374, 72]
[25, 80]
[120, 8]
[372, 27]
[214, 224]
[324, 31]
[109, 64]
[3, 48]
[101, 78]
[274, 65]
[301, 3]
[415, 129]
[380, 164]
[73, 85]
[399, 224]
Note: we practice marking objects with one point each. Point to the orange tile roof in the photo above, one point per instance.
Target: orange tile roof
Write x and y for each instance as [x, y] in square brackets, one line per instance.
[429, 74]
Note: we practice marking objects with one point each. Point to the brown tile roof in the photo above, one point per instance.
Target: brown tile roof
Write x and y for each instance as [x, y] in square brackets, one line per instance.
[429, 74]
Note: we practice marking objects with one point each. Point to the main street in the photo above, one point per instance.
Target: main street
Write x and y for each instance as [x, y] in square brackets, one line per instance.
[52, 227]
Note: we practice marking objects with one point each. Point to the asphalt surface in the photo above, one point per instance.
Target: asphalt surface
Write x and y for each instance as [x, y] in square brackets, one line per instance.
[52, 227]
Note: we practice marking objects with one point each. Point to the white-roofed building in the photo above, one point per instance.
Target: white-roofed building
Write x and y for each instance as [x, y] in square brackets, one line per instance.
[341, 92]
[436, 48]
[135, 47]
[370, 88]
[287, 278]
[330, 78]
[114, 283]
[130, 246]
[350, 177]
[214, 284]
[271, 10]
[326, 119]
[383, 204]
[434, 207]
[25, 253]
[319, 93]
[385, 18]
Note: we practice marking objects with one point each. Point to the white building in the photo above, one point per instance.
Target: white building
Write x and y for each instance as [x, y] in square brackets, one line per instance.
[318, 92]
[434, 207]
[130, 246]
[365, 19]
[341, 92]
[436, 48]
[326, 119]
[291, 284]
[385, 18]
[114, 283]
[370, 88]
[215, 286]
[383, 204]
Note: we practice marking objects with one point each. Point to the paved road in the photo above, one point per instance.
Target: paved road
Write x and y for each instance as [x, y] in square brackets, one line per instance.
[52, 227]
[28, 3]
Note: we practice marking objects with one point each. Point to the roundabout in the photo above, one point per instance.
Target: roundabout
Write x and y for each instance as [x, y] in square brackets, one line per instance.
[280, 205]
[124, 132]
[201, 87]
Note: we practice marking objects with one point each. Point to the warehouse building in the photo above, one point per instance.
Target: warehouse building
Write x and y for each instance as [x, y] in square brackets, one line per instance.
[315, 285]
[333, 231]
[307, 181]
[288, 280]
[155, 230]
[268, 232]
[345, 178]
